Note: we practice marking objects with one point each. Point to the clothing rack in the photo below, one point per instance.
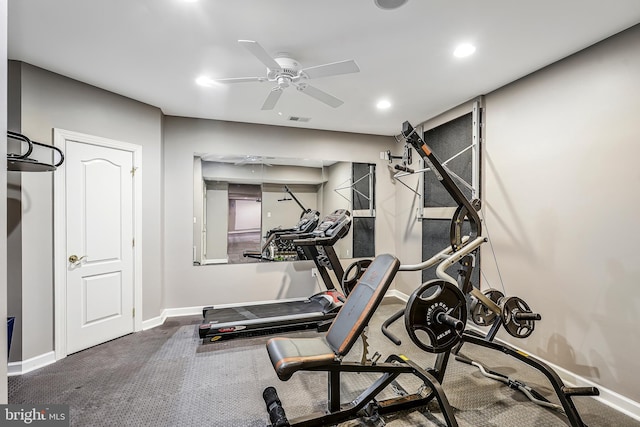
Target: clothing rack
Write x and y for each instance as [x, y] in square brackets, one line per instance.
[23, 163]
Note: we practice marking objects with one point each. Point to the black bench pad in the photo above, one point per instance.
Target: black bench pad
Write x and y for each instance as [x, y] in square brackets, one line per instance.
[288, 355]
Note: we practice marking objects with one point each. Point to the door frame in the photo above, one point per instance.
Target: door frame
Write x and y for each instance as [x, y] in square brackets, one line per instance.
[60, 138]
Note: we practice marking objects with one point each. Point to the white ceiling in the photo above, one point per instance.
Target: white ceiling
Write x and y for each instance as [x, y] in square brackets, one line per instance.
[153, 50]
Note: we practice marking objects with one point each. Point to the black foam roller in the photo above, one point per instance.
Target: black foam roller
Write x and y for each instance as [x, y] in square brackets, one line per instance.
[276, 412]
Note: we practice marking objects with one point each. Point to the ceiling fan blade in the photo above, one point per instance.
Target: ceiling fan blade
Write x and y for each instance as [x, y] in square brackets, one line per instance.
[333, 69]
[259, 52]
[240, 80]
[320, 95]
[272, 98]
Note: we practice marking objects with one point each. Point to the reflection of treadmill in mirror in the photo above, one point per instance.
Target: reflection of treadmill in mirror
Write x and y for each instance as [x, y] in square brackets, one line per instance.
[316, 311]
[277, 249]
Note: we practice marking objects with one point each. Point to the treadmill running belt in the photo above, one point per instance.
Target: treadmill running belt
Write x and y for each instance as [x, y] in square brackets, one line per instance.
[262, 311]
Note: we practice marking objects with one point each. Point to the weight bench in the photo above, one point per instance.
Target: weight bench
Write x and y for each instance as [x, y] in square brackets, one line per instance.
[289, 355]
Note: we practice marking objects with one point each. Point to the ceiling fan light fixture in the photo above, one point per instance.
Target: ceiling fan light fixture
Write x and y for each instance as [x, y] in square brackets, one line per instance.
[389, 4]
[285, 71]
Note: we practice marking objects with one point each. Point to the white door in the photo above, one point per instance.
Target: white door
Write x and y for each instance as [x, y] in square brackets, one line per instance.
[99, 244]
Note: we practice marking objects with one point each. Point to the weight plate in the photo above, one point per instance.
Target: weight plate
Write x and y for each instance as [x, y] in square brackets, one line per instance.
[436, 316]
[517, 328]
[481, 315]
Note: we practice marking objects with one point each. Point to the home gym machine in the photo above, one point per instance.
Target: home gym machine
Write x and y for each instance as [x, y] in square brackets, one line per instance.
[277, 249]
[316, 311]
[326, 353]
[436, 313]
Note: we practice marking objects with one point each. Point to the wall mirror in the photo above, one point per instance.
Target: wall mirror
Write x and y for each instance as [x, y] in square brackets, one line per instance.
[240, 200]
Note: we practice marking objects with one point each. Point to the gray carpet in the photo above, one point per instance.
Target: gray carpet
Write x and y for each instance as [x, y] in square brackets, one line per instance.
[166, 377]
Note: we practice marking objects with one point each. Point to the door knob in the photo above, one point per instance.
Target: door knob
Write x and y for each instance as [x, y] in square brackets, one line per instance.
[74, 259]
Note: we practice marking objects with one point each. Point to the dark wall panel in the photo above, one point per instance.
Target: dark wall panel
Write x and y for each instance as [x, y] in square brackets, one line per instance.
[360, 191]
[446, 141]
[364, 244]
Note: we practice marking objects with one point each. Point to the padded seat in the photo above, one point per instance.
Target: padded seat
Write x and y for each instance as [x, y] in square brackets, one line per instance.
[289, 355]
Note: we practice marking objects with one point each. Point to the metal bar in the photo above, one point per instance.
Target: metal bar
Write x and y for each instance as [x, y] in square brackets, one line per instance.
[400, 175]
[457, 154]
[477, 139]
[286, 188]
[22, 138]
[443, 176]
[372, 169]
[334, 261]
[455, 257]
[558, 386]
[333, 389]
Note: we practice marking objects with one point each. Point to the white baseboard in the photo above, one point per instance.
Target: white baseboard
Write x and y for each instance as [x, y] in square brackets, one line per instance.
[37, 362]
[170, 312]
[395, 294]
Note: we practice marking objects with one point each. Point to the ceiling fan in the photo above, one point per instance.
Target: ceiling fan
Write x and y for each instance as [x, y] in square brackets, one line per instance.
[285, 71]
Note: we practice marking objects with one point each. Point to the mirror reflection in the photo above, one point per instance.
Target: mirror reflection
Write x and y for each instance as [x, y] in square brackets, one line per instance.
[244, 204]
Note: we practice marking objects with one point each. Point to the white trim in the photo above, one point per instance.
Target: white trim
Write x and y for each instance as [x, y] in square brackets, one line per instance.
[154, 322]
[363, 213]
[438, 213]
[37, 362]
[60, 138]
[212, 261]
[394, 293]
[171, 312]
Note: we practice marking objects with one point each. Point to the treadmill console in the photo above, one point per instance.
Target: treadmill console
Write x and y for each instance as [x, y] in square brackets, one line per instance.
[307, 222]
[336, 224]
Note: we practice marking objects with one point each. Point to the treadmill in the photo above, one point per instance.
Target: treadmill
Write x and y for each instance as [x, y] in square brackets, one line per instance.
[317, 311]
[276, 248]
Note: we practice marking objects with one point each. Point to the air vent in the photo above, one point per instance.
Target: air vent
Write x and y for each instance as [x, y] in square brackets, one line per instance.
[299, 119]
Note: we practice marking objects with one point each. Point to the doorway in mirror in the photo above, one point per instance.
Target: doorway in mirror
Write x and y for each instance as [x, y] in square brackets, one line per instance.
[244, 222]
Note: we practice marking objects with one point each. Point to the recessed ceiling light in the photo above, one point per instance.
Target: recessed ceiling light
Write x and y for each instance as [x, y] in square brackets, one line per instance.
[383, 104]
[464, 50]
[389, 4]
[205, 81]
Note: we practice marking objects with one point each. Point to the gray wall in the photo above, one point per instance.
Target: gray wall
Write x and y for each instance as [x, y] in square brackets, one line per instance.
[561, 200]
[3, 198]
[187, 285]
[50, 101]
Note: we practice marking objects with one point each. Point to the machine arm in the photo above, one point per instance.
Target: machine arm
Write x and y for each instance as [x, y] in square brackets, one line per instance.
[465, 207]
